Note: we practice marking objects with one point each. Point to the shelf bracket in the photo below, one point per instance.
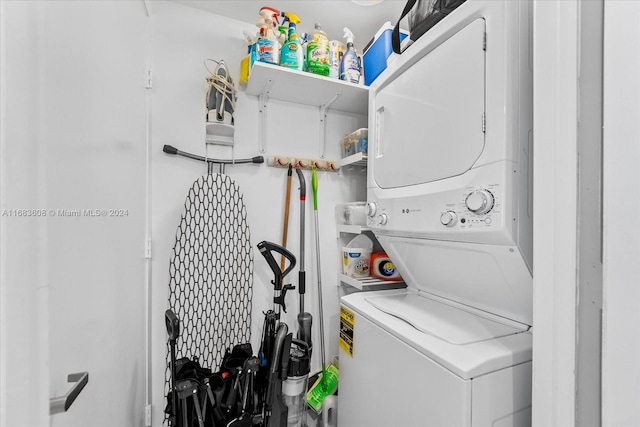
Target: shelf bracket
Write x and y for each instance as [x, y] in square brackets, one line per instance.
[263, 100]
[323, 124]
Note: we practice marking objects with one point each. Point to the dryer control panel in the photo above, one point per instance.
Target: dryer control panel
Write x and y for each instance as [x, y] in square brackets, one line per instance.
[474, 213]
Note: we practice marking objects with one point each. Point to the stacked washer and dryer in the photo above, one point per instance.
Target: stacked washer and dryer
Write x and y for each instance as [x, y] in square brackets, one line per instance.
[450, 200]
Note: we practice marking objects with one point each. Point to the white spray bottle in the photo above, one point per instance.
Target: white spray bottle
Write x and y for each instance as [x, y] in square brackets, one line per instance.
[350, 67]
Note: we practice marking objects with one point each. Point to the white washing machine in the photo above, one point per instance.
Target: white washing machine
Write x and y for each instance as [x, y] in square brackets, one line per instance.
[450, 200]
[419, 361]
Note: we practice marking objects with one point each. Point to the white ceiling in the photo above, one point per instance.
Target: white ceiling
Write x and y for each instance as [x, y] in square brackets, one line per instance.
[333, 15]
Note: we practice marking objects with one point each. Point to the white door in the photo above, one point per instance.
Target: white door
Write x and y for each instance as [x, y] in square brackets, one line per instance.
[73, 184]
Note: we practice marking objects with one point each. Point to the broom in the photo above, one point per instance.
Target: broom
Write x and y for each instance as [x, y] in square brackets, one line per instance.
[327, 383]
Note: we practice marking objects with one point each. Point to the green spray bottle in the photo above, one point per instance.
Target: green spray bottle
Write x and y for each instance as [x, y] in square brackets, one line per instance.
[291, 55]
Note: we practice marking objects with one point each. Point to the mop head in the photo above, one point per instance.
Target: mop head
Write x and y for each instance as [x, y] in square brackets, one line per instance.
[325, 385]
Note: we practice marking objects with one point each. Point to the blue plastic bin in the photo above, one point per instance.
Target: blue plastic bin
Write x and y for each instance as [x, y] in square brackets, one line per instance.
[377, 51]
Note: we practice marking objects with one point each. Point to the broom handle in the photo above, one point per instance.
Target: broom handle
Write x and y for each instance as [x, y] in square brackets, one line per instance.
[286, 217]
[314, 184]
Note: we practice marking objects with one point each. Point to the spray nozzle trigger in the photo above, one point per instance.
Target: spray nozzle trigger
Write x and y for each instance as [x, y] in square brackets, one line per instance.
[348, 35]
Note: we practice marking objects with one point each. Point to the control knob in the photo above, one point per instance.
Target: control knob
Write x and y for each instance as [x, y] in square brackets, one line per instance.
[383, 219]
[480, 201]
[449, 218]
[371, 209]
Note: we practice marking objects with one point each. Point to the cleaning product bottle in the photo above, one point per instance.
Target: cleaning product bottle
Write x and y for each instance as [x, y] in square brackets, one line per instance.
[283, 29]
[267, 45]
[245, 65]
[350, 65]
[304, 39]
[291, 55]
[247, 62]
[318, 53]
[334, 59]
[356, 256]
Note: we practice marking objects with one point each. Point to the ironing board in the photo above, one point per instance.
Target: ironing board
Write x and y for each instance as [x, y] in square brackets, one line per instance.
[210, 269]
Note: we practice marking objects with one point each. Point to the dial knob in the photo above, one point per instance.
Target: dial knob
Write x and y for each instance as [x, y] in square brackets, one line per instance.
[480, 201]
[371, 209]
[383, 219]
[449, 218]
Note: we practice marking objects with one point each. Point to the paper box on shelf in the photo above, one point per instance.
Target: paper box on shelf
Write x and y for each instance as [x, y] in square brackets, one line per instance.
[355, 142]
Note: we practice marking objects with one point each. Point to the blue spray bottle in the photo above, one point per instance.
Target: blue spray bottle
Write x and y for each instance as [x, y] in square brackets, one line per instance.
[350, 67]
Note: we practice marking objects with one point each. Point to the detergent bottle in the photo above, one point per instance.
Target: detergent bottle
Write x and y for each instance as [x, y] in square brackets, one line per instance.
[318, 53]
[291, 55]
[350, 67]
[268, 48]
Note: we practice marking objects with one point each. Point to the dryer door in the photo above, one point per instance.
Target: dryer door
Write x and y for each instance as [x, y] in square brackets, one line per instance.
[429, 120]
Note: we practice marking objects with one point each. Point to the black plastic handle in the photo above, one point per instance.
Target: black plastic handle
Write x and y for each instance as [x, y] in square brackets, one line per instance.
[265, 249]
[170, 149]
[173, 325]
[303, 186]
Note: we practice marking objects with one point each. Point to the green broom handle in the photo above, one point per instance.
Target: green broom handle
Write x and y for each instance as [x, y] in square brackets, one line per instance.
[314, 185]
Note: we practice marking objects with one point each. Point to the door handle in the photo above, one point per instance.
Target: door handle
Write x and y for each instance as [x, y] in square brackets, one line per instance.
[60, 404]
[378, 129]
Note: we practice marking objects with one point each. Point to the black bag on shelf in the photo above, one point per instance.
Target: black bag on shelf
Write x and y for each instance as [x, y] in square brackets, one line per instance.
[423, 15]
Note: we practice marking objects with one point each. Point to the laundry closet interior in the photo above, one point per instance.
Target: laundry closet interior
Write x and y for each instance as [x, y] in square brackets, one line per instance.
[357, 245]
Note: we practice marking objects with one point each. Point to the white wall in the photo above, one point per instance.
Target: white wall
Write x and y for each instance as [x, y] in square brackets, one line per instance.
[589, 297]
[181, 39]
[555, 112]
[73, 138]
[23, 262]
[621, 317]
[93, 99]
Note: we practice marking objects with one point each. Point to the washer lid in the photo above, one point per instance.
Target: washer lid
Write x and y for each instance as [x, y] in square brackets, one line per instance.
[485, 350]
[491, 278]
[443, 321]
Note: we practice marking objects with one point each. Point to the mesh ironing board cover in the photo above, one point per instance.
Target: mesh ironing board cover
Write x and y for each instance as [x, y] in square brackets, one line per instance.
[211, 273]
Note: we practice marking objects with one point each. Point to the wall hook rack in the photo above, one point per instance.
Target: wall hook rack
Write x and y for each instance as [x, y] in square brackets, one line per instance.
[304, 163]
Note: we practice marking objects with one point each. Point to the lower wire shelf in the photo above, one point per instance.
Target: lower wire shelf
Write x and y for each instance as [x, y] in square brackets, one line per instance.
[370, 283]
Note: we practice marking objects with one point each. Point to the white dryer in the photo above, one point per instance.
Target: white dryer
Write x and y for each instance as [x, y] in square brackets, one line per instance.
[450, 200]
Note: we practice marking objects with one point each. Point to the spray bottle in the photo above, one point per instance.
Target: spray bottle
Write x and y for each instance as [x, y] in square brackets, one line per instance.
[291, 55]
[268, 48]
[283, 28]
[304, 39]
[350, 68]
